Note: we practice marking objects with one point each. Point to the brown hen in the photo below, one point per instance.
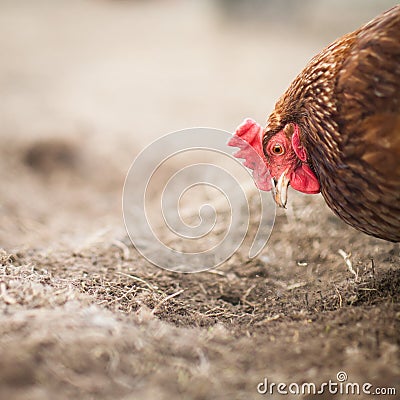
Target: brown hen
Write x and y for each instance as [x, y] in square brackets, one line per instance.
[337, 129]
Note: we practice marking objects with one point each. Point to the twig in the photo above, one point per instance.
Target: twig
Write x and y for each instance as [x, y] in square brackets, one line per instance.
[135, 278]
[125, 249]
[244, 297]
[340, 297]
[348, 262]
[216, 272]
[132, 289]
[373, 271]
[165, 299]
[249, 303]
[203, 289]
[306, 298]
[248, 291]
[296, 285]
[211, 310]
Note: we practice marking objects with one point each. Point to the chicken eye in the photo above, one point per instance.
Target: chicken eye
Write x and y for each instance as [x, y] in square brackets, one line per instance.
[278, 149]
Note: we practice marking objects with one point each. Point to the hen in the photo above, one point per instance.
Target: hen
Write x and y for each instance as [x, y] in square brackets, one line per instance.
[336, 130]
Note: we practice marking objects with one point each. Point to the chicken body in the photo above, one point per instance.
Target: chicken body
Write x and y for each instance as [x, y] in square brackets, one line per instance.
[340, 118]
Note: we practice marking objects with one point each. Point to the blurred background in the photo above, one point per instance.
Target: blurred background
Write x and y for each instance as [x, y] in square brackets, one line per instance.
[86, 84]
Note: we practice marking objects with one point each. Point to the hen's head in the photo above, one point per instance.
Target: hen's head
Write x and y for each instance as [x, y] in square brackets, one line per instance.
[284, 156]
[287, 163]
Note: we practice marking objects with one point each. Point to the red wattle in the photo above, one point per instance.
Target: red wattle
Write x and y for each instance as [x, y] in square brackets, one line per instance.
[304, 180]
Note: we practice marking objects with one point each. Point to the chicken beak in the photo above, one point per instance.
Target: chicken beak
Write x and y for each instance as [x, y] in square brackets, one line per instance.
[279, 189]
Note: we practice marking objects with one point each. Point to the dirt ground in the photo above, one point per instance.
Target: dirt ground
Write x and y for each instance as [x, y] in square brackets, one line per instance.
[82, 314]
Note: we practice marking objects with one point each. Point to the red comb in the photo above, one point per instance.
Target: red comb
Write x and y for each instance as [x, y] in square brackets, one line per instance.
[248, 137]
